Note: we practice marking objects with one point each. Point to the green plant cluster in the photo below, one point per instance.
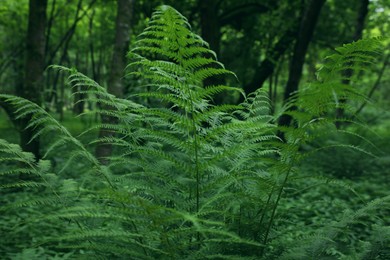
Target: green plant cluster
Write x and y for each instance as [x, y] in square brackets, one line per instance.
[188, 179]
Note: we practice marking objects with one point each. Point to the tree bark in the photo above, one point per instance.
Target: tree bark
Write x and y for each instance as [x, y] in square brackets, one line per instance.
[69, 33]
[92, 47]
[267, 66]
[210, 24]
[53, 94]
[8, 109]
[306, 30]
[359, 26]
[211, 20]
[118, 64]
[34, 69]
[363, 11]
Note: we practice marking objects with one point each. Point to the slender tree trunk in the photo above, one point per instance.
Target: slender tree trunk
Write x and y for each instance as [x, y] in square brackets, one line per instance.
[92, 47]
[50, 25]
[267, 66]
[308, 24]
[8, 61]
[118, 64]
[211, 33]
[34, 68]
[69, 33]
[376, 84]
[61, 102]
[359, 26]
[8, 109]
[79, 98]
[210, 25]
[66, 41]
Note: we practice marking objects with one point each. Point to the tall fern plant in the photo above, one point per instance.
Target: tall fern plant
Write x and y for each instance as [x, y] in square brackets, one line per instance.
[173, 63]
[188, 179]
[171, 188]
[205, 153]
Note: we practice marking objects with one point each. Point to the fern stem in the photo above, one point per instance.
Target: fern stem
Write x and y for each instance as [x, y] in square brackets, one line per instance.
[197, 173]
[196, 154]
[264, 211]
[277, 202]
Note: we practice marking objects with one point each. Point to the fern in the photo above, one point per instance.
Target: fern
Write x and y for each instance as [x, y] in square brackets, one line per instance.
[322, 97]
[188, 179]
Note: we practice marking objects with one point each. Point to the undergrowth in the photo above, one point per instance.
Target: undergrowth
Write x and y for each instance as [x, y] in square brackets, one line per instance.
[188, 179]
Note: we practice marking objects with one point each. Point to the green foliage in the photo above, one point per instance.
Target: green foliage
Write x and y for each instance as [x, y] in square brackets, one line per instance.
[188, 179]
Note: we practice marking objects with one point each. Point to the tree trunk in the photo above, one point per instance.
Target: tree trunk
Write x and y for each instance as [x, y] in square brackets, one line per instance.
[376, 84]
[359, 26]
[69, 33]
[118, 64]
[34, 68]
[65, 41]
[92, 47]
[211, 33]
[209, 22]
[267, 66]
[306, 30]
